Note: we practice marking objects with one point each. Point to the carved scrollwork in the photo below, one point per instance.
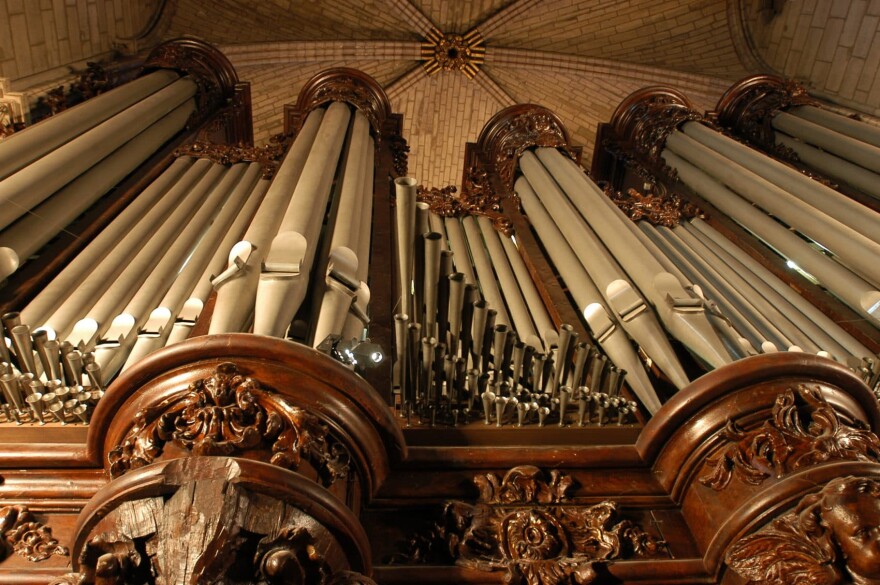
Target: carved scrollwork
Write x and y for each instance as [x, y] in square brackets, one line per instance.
[660, 208]
[227, 414]
[513, 130]
[478, 199]
[213, 74]
[830, 538]
[26, 537]
[804, 430]
[268, 156]
[523, 524]
[350, 86]
[749, 106]
[399, 154]
[290, 557]
[643, 121]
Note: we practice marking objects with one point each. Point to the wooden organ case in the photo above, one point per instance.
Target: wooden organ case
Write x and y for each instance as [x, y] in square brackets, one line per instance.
[545, 415]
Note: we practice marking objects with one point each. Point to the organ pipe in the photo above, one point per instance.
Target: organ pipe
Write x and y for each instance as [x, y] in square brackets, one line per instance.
[26, 146]
[854, 291]
[284, 276]
[32, 231]
[605, 329]
[677, 309]
[237, 285]
[32, 184]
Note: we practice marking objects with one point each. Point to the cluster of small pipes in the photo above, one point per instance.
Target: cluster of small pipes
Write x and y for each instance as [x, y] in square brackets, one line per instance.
[42, 379]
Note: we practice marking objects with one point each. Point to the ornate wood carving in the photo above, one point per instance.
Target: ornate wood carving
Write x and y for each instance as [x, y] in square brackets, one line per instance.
[660, 208]
[453, 52]
[642, 122]
[26, 537]
[399, 154]
[522, 523]
[829, 538]
[269, 156]
[229, 414]
[804, 430]
[212, 72]
[342, 84]
[511, 131]
[749, 106]
[212, 520]
[481, 200]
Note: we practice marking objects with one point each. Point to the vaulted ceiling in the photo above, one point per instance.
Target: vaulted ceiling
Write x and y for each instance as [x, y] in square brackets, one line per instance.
[579, 58]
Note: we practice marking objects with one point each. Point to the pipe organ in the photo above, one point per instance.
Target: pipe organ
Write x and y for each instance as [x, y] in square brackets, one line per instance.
[677, 350]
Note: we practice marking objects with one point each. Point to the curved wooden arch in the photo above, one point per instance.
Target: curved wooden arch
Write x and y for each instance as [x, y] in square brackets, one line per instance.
[308, 379]
[344, 84]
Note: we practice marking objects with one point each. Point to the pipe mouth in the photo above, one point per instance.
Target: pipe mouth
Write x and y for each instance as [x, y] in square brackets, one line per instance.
[9, 262]
[406, 181]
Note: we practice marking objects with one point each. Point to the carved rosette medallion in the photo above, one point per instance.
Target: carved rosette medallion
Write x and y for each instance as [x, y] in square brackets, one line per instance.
[522, 524]
[268, 156]
[660, 208]
[803, 430]
[453, 52]
[229, 414]
[830, 538]
[747, 110]
[26, 537]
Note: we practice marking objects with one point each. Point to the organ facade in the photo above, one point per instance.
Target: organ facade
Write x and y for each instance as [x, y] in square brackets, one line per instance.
[294, 363]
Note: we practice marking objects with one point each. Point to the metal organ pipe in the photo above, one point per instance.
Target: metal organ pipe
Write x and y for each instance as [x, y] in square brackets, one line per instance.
[178, 310]
[483, 267]
[846, 126]
[31, 232]
[629, 307]
[284, 277]
[530, 293]
[26, 146]
[355, 322]
[54, 293]
[341, 280]
[681, 313]
[770, 292]
[94, 303]
[115, 339]
[853, 248]
[458, 245]
[32, 184]
[833, 166]
[853, 290]
[237, 285]
[861, 153]
[519, 311]
[820, 196]
[610, 335]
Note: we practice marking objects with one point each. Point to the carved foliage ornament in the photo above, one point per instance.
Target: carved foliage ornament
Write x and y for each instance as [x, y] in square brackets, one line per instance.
[643, 121]
[228, 414]
[748, 109]
[26, 537]
[522, 524]
[533, 128]
[661, 208]
[481, 200]
[268, 156]
[830, 538]
[341, 89]
[804, 430]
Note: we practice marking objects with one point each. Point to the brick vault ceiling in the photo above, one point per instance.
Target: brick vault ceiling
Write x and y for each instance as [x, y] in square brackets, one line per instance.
[579, 58]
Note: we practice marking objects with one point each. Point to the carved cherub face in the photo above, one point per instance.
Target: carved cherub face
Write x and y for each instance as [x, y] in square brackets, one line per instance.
[851, 510]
